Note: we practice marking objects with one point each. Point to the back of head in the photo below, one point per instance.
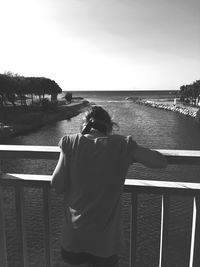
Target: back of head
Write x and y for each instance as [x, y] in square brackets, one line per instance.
[98, 119]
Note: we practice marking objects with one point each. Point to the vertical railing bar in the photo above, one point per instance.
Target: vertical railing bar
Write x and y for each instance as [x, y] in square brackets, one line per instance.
[164, 230]
[193, 233]
[3, 249]
[23, 226]
[133, 229]
[47, 240]
[195, 238]
[161, 231]
[20, 220]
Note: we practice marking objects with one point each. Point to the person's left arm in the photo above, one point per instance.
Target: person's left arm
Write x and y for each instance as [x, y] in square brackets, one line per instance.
[58, 175]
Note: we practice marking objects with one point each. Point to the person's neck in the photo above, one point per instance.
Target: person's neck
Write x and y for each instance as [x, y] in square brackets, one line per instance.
[95, 132]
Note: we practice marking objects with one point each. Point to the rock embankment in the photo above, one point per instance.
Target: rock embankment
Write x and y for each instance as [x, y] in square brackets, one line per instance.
[18, 121]
[180, 108]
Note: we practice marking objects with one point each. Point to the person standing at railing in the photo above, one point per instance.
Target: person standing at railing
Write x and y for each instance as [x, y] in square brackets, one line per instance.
[91, 171]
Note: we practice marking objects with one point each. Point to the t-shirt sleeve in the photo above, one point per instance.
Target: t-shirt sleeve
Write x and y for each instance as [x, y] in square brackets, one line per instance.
[131, 146]
[63, 143]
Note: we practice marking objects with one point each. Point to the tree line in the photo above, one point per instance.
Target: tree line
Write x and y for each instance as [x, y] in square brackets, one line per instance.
[190, 91]
[14, 87]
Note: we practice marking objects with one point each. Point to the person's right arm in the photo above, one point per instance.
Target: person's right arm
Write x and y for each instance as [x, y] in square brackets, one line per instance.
[149, 158]
[59, 175]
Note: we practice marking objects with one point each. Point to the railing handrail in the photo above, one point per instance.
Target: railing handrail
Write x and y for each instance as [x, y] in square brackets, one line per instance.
[29, 152]
[174, 156]
[130, 185]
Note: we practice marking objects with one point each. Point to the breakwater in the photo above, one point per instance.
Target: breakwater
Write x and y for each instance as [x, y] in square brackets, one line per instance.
[19, 121]
[180, 108]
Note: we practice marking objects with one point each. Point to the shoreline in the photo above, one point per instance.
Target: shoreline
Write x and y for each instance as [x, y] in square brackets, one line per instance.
[186, 110]
[31, 121]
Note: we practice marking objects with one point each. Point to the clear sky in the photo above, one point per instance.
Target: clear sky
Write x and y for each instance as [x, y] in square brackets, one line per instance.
[102, 44]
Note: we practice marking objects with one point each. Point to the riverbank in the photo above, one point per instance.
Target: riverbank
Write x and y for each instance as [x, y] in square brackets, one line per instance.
[20, 120]
[168, 104]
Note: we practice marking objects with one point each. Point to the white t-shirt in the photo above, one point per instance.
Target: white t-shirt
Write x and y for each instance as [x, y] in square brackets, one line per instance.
[96, 169]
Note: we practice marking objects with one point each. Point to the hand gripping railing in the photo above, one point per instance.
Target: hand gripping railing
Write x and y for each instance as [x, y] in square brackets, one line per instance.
[135, 187]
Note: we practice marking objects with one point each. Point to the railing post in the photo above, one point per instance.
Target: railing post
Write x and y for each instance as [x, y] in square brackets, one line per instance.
[164, 230]
[195, 236]
[47, 241]
[133, 229]
[21, 232]
[3, 250]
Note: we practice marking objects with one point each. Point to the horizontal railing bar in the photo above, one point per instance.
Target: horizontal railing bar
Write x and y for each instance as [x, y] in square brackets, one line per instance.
[161, 187]
[33, 148]
[162, 184]
[26, 177]
[181, 153]
[29, 152]
[175, 156]
[140, 186]
[12, 179]
[191, 157]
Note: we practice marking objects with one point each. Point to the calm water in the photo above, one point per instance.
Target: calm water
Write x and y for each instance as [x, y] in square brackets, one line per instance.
[149, 127]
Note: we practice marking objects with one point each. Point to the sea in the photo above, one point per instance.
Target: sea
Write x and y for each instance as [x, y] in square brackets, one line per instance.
[149, 127]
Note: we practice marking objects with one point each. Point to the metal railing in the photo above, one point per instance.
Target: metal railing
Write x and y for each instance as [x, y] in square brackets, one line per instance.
[164, 188]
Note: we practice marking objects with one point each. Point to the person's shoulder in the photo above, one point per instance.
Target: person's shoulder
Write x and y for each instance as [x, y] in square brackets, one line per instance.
[122, 138]
[67, 140]
[71, 137]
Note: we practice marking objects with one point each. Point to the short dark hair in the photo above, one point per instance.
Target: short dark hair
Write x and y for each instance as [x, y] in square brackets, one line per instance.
[98, 118]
